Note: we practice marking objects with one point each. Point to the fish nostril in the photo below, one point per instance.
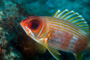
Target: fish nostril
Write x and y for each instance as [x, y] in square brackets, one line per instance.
[34, 24]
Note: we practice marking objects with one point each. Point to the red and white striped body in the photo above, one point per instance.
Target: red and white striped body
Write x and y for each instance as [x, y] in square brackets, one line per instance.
[66, 30]
[60, 34]
[66, 37]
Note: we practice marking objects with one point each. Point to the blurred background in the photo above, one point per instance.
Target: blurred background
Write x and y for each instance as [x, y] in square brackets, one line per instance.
[15, 44]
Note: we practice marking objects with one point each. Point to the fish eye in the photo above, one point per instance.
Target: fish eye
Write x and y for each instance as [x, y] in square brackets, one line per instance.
[34, 24]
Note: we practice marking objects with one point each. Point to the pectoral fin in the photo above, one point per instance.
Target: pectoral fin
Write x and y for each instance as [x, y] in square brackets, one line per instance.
[79, 56]
[55, 53]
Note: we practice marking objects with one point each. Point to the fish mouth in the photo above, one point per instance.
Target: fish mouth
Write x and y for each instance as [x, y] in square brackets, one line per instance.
[23, 27]
[21, 24]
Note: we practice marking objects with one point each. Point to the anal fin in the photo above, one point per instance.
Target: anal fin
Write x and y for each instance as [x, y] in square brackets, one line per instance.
[55, 53]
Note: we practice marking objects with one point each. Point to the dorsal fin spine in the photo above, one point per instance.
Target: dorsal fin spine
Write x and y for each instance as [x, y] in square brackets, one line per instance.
[78, 23]
[68, 13]
[56, 13]
[66, 18]
[72, 17]
[75, 20]
[64, 13]
[61, 13]
[63, 16]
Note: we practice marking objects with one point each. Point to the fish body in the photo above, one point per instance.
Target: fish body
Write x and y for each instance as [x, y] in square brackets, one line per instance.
[65, 36]
[60, 32]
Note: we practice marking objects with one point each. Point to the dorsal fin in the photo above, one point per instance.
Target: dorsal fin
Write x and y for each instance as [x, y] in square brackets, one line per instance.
[73, 18]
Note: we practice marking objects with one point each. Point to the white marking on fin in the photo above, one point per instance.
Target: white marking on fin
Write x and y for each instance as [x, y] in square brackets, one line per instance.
[56, 13]
[61, 13]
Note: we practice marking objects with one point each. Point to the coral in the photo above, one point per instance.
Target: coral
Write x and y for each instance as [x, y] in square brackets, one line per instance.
[28, 47]
[3, 43]
[1, 15]
[10, 24]
[2, 37]
[7, 19]
[10, 10]
[12, 55]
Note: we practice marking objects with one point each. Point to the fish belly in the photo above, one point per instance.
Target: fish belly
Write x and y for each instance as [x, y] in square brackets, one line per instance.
[66, 41]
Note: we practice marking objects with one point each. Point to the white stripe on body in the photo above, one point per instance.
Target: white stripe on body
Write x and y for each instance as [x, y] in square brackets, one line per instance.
[64, 24]
[67, 29]
[40, 31]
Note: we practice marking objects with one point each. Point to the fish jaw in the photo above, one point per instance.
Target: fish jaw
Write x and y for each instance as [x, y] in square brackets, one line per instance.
[26, 29]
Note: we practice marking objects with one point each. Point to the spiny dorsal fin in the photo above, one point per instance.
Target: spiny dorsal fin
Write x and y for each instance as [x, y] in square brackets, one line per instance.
[73, 18]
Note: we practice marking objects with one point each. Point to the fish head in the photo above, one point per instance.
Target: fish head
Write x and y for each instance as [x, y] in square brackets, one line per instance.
[35, 27]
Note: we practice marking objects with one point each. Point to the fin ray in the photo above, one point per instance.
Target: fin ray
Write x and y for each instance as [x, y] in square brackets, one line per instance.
[54, 53]
[72, 17]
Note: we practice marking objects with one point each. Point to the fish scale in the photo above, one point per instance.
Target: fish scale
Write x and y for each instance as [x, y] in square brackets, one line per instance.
[80, 45]
[61, 40]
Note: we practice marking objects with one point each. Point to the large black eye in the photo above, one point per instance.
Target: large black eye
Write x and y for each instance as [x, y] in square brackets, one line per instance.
[34, 24]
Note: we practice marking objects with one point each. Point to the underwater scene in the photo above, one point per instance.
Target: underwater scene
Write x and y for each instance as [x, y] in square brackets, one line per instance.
[44, 29]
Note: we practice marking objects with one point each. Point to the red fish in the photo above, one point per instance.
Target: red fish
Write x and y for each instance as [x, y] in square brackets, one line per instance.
[66, 31]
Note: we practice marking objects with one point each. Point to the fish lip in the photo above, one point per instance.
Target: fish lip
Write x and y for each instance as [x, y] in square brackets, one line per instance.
[21, 24]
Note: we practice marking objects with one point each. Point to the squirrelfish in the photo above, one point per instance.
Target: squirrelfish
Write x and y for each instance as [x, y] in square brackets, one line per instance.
[66, 31]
